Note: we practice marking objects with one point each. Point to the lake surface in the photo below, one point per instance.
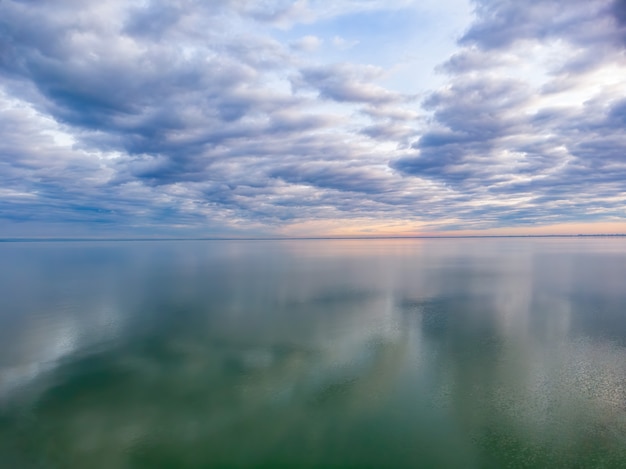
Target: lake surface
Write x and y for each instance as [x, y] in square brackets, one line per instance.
[460, 353]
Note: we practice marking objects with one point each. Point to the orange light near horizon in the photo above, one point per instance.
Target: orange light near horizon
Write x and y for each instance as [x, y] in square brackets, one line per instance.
[392, 228]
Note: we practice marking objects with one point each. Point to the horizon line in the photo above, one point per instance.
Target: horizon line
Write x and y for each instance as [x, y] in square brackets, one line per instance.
[303, 238]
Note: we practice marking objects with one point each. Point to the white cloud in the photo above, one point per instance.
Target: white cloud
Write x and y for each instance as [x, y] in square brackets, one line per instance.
[250, 117]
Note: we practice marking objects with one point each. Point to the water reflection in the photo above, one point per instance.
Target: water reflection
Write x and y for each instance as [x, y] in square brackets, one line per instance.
[394, 353]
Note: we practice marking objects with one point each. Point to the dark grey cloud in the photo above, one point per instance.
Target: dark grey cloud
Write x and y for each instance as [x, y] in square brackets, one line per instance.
[619, 11]
[390, 132]
[596, 27]
[390, 113]
[331, 176]
[473, 59]
[502, 23]
[138, 90]
[346, 83]
[476, 113]
[154, 19]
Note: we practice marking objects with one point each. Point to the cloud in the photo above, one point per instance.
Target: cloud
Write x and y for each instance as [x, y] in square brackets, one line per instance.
[476, 113]
[333, 176]
[307, 43]
[501, 24]
[346, 83]
[343, 43]
[545, 132]
[210, 117]
[395, 114]
[596, 27]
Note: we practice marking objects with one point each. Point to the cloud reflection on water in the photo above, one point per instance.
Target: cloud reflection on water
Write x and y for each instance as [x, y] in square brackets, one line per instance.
[247, 352]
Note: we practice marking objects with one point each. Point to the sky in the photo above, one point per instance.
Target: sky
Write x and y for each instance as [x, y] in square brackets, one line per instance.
[278, 118]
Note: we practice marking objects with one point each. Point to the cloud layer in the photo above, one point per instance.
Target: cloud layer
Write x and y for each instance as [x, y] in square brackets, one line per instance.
[286, 118]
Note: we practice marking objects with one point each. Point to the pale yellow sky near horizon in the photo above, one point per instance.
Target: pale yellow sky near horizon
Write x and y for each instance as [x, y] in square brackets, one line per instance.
[360, 227]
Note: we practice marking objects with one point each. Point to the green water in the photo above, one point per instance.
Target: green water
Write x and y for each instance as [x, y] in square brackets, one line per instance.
[475, 353]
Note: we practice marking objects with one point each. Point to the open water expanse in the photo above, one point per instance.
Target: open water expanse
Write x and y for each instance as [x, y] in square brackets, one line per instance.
[459, 353]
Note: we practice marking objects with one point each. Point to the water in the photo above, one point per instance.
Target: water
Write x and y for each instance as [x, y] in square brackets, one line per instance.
[372, 353]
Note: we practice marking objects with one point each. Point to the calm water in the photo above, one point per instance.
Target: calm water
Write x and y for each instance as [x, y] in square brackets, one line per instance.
[376, 353]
